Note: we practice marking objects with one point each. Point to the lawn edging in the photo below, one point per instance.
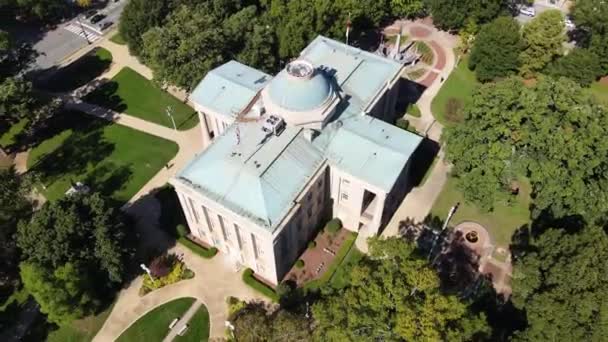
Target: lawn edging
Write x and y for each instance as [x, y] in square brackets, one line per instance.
[257, 285]
[347, 245]
[197, 249]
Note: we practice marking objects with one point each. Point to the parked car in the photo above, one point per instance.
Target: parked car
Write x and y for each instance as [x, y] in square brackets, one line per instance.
[105, 24]
[97, 18]
[89, 13]
[569, 24]
[527, 10]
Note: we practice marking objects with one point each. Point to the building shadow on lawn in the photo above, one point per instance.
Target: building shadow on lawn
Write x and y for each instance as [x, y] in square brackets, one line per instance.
[422, 160]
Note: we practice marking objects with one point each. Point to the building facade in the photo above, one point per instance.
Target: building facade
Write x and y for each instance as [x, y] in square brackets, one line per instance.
[292, 151]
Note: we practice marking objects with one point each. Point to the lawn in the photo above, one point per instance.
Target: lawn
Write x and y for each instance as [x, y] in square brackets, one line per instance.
[81, 330]
[341, 278]
[118, 39]
[9, 137]
[80, 72]
[501, 223]
[154, 325]
[198, 327]
[131, 93]
[460, 86]
[600, 90]
[413, 110]
[347, 245]
[111, 159]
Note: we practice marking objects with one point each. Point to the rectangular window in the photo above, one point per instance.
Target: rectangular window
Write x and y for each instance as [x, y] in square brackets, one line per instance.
[345, 181]
[344, 196]
[187, 209]
[222, 227]
[255, 246]
[209, 223]
[238, 236]
[194, 212]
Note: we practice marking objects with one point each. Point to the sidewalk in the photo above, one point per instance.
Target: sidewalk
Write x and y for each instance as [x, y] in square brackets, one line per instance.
[183, 321]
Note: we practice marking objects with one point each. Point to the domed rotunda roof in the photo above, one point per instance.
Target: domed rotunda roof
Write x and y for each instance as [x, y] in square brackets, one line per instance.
[300, 88]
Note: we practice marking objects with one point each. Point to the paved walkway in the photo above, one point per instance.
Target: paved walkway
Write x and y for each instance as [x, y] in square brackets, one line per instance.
[183, 321]
[420, 200]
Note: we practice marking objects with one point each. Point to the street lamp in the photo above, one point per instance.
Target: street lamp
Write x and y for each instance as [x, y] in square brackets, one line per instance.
[169, 112]
[143, 267]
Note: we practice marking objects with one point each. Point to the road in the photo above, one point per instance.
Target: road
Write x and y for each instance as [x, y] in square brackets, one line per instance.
[539, 7]
[58, 44]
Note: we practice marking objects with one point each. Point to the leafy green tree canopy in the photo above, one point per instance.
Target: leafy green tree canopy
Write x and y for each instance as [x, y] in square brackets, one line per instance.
[591, 14]
[395, 295]
[543, 38]
[561, 285]
[255, 323]
[81, 230]
[64, 294]
[496, 50]
[137, 18]
[407, 8]
[553, 133]
[453, 14]
[580, 65]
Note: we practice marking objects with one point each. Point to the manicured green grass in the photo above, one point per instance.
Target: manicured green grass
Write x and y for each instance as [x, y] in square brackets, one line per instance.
[257, 285]
[81, 330]
[341, 278]
[118, 39]
[425, 51]
[111, 159]
[203, 252]
[198, 327]
[10, 136]
[600, 90]
[80, 72]
[154, 325]
[413, 110]
[416, 74]
[460, 85]
[335, 265]
[500, 223]
[131, 93]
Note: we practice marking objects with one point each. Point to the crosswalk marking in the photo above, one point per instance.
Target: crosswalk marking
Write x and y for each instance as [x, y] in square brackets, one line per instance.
[76, 29]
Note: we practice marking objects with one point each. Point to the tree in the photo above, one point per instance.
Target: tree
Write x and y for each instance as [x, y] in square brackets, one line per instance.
[553, 133]
[565, 274]
[188, 46]
[395, 295]
[81, 230]
[84, 3]
[14, 205]
[16, 99]
[591, 15]
[407, 8]
[496, 49]
[580, 65]
[64, 294]
[137, 18]
[255, 323]
[599, 46]
[453, 14]
[543, 38]
[45, 10]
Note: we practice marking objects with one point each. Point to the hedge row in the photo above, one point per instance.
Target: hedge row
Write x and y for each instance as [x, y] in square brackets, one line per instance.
[206, 253]
[257, 285]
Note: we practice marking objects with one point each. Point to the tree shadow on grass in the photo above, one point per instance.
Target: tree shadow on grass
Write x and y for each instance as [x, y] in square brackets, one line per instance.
[75, 74]
[185, 122]
[84, 147]
[106, 96]
[108, 178]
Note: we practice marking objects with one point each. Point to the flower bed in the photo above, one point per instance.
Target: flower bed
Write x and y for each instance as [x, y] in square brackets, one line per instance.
[164, 270]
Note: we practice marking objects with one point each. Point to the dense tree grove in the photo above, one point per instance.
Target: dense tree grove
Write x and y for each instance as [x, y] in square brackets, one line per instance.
[560, 282]
[81, 230]
[496, 50]
[395, 295]
[37, 9]
[256, 323]
[553, 133]
[590, 15]
[580, 65]
[543, 38]
[454, 14]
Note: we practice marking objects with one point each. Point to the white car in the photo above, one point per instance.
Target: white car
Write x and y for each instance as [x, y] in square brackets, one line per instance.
[569, 24]
[527, 10]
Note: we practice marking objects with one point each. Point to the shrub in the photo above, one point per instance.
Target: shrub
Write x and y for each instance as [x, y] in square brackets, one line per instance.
[333, 226]
[188, 274]
[402, 123]
[255, 284]
[453, 109]
[312, 244]
[234, 305]
[300, 263]
[195, 248]
[162, 265]
[182, 231]
[173, 277]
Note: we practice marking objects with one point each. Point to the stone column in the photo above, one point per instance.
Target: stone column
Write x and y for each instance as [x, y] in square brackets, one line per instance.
[204, 129]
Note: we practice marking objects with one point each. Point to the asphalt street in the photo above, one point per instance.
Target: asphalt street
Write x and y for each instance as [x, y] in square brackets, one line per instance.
[58, 44]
